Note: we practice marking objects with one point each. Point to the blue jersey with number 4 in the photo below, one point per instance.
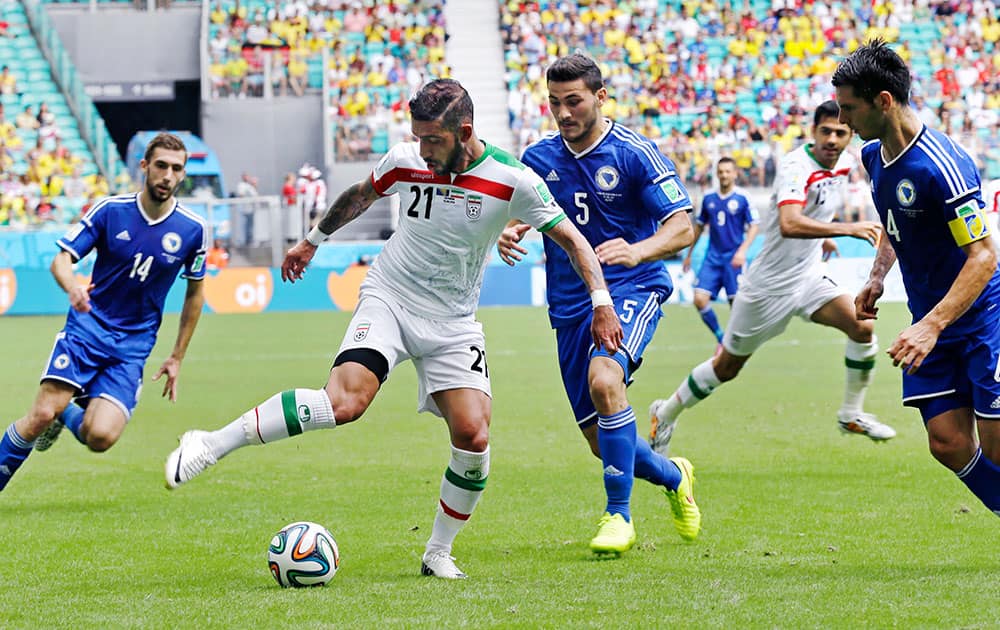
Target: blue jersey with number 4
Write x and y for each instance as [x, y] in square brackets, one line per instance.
[621, 187]
[138, 260]
[930, 203]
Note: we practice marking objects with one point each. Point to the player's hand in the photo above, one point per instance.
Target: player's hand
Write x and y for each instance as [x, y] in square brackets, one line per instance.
[830, 249]
[507, 245]
[79, 298]
[618, 251]
[739, 259]
[913, 345]
[864, 302]
[171, 367]
[606, 329]
[294, 265]
[686, 265]
[867, 231]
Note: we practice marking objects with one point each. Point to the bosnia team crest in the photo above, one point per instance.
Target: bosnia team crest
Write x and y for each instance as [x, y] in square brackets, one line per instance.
[906, 193]
[171, 242]
[473, 206]
[607, 177]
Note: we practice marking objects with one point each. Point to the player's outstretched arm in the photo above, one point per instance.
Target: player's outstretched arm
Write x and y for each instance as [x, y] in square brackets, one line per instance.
[507, 245]
[62, 271]
[605, 328]
[699, 229]
[794, 224]
[351, 204]
[674, 235]
[740, 257]
[194, 301]
[864, 302]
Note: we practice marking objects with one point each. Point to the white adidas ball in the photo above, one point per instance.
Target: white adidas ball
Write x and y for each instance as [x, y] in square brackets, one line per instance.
[303, 554]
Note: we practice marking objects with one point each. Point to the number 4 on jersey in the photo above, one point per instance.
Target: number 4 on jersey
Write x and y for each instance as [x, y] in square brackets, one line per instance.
[890, 225]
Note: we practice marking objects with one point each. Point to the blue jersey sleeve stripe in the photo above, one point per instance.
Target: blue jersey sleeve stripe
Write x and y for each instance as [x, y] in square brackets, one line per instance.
[72, 252]
[674, 211]
[946, 165]
[952, 158]
[653, 157]
[88, 218]
[948, 159]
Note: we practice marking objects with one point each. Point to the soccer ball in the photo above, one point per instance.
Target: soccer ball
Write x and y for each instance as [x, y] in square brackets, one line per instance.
[303, 554]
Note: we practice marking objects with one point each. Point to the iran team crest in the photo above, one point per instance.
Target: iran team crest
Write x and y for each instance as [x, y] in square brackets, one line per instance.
[473, 207]
[362, 331]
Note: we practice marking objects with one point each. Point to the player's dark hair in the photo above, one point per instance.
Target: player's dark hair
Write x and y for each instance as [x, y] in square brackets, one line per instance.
[725, 159]
[874, 68]
[826, 109]
[573, 67]
[443, 100]
[166, 141]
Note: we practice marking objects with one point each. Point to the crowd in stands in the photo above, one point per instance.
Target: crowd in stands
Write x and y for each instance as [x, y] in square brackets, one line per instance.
[711, 77]
[377, 52]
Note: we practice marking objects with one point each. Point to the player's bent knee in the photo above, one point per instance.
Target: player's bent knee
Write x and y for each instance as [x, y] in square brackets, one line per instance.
[471, 435]
[951, 449]
[100, 442]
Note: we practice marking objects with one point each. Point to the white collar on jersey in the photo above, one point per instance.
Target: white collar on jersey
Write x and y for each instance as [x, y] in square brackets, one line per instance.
[881, 148]
[146, 217]
[581, 154]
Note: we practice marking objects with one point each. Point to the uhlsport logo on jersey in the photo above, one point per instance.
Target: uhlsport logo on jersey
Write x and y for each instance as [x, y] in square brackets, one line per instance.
[473, 206]
[906, 193]
[607, 178]
[672, 190]
[361, 330]
[8, 289]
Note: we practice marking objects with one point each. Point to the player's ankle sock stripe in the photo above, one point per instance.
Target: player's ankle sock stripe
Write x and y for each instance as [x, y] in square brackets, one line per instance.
[698, 392]
[453, 513]
[19, 442]
[290, 410]
[860, 365]
[475, 485]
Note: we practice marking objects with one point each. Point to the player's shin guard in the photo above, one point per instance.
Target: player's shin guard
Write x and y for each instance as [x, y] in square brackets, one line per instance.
[288, 414]
[617, 439]
[708, 316]
[655, 468]
[860, 361]
[983, 478]
[14, 449]
[463, 483]
[72, 419]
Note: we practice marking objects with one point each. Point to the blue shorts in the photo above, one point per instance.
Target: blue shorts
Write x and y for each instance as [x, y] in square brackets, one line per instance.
[958, 374]
[639, 313]
[99, 363]
[715, 275]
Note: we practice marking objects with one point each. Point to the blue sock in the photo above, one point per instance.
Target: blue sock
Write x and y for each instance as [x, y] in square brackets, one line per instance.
[655, 468]
[983, 477]
[708, 316]
[616, 436]
[14, 449]
[72, 417]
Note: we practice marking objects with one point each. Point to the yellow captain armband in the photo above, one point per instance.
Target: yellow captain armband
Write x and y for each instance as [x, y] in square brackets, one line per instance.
[970, 225]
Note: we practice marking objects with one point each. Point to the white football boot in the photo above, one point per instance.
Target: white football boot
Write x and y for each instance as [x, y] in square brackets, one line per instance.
[189, 459]
[865, 424]
[440, 564]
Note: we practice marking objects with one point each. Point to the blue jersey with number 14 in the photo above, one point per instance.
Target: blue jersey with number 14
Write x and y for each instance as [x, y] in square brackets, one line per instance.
[930, 203]
[138, 260]
[621, 187]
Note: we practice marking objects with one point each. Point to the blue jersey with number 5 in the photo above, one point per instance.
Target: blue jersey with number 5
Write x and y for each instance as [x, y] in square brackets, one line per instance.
[138, 260]
[930, 203]
[621, 187]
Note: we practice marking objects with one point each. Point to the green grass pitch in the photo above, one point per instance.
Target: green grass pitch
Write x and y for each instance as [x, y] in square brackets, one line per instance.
[803, 527]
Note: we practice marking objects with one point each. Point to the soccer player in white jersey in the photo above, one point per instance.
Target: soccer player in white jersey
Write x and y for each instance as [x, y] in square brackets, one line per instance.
[787, 279]
[928, 195]
[418, 302]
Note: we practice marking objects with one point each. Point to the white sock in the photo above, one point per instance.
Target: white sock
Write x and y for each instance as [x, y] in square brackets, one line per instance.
[463, 483]
[283, 415]
[860, 361]
[699, 384]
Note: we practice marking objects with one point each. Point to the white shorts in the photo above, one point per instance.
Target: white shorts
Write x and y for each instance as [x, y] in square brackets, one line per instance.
[757, 317]
[447, 354]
